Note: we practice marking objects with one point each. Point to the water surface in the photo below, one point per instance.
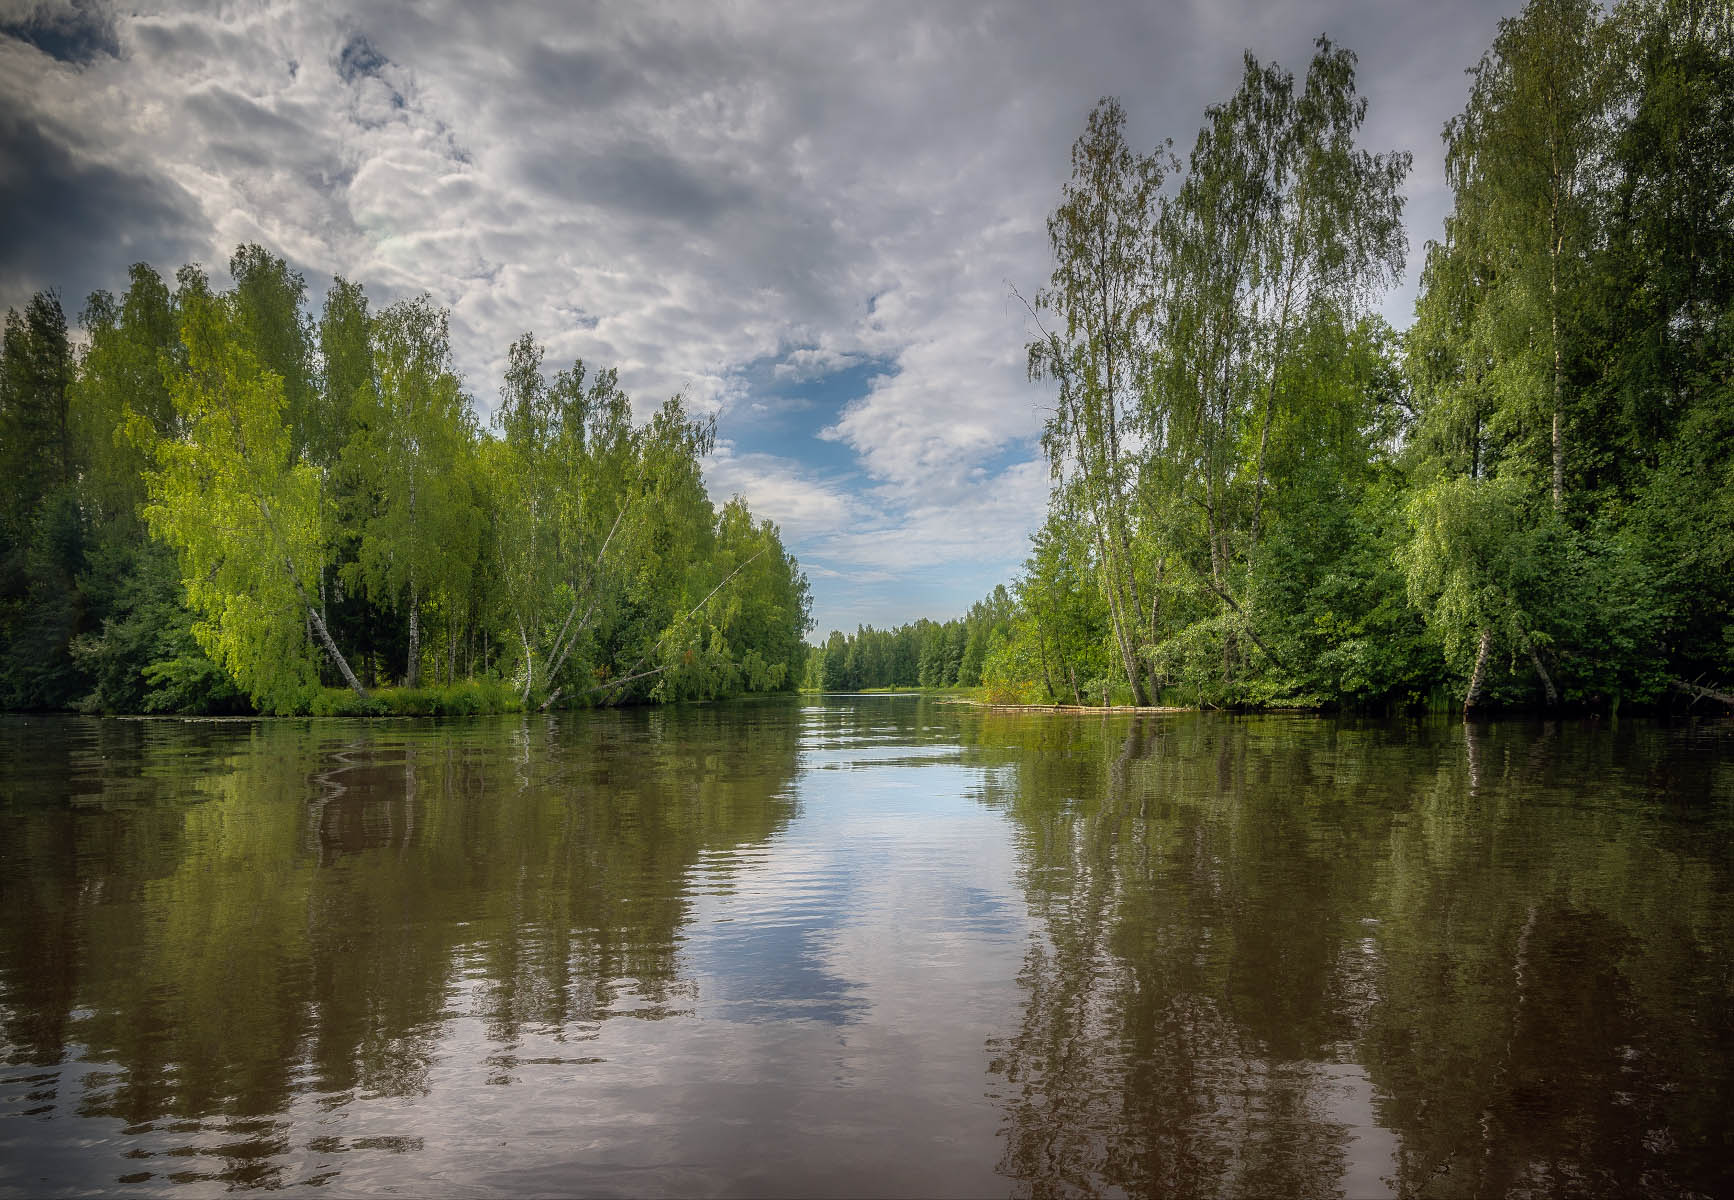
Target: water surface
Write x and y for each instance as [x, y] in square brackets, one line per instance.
[867, 946]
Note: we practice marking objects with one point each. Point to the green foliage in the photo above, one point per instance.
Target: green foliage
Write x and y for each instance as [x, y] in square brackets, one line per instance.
[411, 455]
[1011, 666]
[145, 659]
[42, 529]
[1569, 361]
[36, 450]
[244, 516]
[924, 653]
[466, 698]
[220, 503]
[1524, 500]
[618, 579]
[1261, 494]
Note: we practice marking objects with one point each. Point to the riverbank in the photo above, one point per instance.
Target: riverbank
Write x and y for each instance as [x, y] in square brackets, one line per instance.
[470, 698]
[1085, 709]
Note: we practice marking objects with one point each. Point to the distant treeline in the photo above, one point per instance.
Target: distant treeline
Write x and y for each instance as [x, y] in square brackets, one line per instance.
[221, 503]
[1263, 495]
[920, 654]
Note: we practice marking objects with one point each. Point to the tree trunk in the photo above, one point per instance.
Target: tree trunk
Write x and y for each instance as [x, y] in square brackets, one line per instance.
[1042, 647]
[1136, 607]
[1156, 603]
[1229, 600]
[318, 624]
[1478, 677]
[1546, 680]
[1127, 661]
[1558, 379]
[1270, 408]
[1115, 525]
[1701, 693]
[529, 666]
[412, 672]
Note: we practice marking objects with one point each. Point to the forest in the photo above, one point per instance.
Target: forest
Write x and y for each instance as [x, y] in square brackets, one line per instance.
[218, 502]
[925, 653]
[1262, 494]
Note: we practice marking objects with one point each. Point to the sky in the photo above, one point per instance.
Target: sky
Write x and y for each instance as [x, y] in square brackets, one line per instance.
[809, 219]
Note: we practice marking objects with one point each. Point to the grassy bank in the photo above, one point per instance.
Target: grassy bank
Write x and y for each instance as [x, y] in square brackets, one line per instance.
[466, 699]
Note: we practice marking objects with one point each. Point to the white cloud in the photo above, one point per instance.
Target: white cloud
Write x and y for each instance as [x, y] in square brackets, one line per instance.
[803, 508]
[813, 362]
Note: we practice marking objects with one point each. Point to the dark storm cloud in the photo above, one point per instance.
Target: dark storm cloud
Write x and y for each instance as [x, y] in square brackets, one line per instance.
[75, 225]
[359, 58]
[585, 79]
[645, 181]
[78, 33]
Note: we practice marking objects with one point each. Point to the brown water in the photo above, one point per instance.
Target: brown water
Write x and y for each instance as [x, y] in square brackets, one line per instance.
[870, 946]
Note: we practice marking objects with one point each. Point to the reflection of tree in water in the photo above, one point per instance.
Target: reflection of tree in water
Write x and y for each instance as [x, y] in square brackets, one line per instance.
[1186, 989]
[1556, 975]
[1537, 986]
[324, 903]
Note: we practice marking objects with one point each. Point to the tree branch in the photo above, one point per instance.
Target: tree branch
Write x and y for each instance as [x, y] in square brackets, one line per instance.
[1250, 632]
[665, 635]
[1701, 693]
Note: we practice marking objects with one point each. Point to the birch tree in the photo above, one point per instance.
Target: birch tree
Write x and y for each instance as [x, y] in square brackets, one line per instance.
[414, 436]
[1523, 160]
[1282, 222]
[1101, 296]
[564, 484]
[243, 514]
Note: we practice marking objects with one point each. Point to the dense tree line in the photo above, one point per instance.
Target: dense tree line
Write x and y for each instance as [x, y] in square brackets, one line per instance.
[220, 501]
[921, 653]
[1263, 494]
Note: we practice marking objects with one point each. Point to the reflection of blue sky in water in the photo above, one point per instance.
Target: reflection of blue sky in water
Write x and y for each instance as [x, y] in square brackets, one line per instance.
[817, 962]
[889, 880]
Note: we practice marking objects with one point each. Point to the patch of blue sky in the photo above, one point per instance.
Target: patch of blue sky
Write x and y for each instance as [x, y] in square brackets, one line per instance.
[782, 407]
[785, 412]
[1011, 453]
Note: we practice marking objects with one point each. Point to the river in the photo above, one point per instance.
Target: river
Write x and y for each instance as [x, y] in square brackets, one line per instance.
[867, 946]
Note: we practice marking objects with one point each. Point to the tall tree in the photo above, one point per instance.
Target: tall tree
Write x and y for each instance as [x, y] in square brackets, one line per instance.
[36, 444]
[564, 477]
[244, 515]
[124, 368]
[1102, 295]
[43, 532]
[1281, 225]
[269, 302]
[414, 436]
[1523, 160]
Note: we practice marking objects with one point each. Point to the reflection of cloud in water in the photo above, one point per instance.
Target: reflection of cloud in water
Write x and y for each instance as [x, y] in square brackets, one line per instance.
[799, 929]
[771, 971]
[1370, 1154]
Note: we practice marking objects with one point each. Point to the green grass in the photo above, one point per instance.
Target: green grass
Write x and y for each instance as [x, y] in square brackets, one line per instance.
[469, 698]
